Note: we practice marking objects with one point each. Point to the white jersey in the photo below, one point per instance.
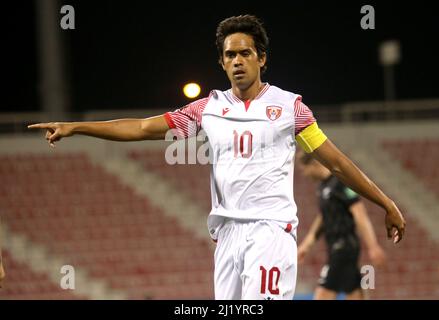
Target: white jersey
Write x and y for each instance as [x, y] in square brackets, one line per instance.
[252, 145]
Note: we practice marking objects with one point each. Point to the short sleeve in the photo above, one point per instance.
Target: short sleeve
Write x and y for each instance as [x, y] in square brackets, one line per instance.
[307, 132]
[303, 116]
[186, 121]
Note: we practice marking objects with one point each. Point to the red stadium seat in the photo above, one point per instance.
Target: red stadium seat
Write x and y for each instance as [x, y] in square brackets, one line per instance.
[86, 215]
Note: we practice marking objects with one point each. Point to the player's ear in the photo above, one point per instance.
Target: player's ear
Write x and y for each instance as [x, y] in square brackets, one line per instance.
[262, 59]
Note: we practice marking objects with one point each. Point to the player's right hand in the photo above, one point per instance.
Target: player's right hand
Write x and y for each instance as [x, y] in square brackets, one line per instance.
[55, 131]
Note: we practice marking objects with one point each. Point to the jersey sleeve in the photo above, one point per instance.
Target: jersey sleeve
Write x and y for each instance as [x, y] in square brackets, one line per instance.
[307, 132]
[186, 121]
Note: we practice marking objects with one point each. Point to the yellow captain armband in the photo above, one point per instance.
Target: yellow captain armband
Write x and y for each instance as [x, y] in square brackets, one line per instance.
[311, 138]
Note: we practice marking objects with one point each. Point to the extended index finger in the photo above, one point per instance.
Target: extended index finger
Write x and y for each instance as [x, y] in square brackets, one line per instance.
[39, 126]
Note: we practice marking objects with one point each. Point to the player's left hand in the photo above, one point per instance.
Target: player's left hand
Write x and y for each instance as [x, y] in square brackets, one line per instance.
[395, 223]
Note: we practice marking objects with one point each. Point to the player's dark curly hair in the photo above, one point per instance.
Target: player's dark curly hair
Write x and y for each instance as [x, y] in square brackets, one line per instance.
[247, 24]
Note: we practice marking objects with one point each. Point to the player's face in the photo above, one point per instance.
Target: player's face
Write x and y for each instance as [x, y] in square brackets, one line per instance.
[241, 61]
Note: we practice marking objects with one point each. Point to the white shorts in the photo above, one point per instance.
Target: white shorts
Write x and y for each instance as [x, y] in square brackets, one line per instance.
[255, 260]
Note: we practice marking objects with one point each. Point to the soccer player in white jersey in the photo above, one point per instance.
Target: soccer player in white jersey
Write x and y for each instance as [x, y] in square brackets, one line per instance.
[253, 129]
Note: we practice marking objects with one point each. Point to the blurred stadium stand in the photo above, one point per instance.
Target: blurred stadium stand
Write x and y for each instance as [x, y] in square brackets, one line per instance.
[134, 227]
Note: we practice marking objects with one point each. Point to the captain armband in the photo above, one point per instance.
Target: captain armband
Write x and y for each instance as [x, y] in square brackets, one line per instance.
[311, 138]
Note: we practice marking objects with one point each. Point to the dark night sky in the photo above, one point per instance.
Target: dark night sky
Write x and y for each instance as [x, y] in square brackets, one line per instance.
[126, 54]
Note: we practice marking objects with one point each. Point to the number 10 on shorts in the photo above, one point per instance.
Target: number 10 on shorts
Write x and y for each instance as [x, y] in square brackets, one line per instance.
[273, 280]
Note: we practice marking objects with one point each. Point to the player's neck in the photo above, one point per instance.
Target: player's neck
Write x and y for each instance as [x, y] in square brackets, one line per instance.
[250, 93]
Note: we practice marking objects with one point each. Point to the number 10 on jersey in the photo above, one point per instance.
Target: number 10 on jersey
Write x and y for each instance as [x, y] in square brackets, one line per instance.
[242, 144]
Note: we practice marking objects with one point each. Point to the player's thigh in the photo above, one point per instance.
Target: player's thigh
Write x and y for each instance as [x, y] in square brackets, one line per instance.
[227, 280]
[270, 263]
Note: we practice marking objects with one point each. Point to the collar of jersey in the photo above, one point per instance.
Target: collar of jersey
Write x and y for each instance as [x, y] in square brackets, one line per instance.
[260, 94]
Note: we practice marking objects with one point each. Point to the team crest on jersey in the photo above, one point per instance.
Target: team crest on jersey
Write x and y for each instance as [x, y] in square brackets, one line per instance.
[273, 112]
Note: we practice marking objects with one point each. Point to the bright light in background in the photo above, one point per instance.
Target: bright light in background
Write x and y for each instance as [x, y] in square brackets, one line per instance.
[191, 90]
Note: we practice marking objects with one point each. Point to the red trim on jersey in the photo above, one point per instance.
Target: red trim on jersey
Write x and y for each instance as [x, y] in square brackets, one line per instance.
[264, 89]
[235, 97]
[187, 120]
[288, 228]
[303, 116]
[247, 104]
[168, 119]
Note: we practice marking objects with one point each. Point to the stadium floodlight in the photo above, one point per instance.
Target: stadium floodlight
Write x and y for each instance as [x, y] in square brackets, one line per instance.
[389, 55]
[191, 90]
